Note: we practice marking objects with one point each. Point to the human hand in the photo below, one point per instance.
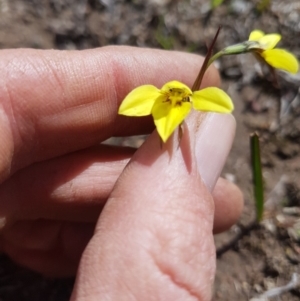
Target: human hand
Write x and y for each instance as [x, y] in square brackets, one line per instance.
[55, 109]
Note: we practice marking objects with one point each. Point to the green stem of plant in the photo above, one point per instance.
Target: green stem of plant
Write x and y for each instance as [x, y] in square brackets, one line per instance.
[230, 50]
[214, 58]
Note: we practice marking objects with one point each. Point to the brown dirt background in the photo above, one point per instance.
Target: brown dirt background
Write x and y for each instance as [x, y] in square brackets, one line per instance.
[258, 258]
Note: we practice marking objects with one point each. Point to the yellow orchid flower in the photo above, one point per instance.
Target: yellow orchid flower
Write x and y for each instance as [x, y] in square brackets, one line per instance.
[171, 104]
[263, 46]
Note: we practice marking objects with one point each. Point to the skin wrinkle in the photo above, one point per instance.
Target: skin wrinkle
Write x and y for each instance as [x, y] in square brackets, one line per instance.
[48, 81]
[111, 94]
[136, 271]
[61, 117]
[168, 247]
[36, 72]
[65, 181]
[91, 90]
[74, 73]
[168, 266]
[86, 183]
[101, 116]
[51, 68]
[164, 270]
[116, 71]
[16, 115]
[68, 102]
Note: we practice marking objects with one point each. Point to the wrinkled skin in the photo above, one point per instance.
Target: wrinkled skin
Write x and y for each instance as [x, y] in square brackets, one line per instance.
[150, 236]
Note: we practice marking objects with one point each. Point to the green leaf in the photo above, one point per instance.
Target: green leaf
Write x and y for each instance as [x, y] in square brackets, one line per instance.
[216, 3]
[257, 176]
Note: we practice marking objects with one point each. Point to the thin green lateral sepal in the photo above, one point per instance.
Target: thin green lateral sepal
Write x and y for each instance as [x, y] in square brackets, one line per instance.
[257, 176]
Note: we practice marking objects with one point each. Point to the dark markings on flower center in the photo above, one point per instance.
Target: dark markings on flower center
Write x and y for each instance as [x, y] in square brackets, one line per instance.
[180, 101]
[176, 96]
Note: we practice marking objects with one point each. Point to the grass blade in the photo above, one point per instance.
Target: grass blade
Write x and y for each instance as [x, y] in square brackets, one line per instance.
[257, 176]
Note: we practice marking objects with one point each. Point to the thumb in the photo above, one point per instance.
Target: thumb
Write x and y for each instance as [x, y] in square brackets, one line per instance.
[154, 238]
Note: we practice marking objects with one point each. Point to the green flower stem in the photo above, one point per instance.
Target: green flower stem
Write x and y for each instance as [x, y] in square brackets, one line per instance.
[215, 57]
[230, 50]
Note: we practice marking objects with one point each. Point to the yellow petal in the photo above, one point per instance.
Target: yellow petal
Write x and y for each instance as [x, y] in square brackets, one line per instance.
[212, 99]
[139, 102]
[255, 35]
[167, 117]
[281, 59]
[269, 41]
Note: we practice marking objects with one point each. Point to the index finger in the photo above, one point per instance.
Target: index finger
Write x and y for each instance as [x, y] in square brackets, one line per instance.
[55, 102]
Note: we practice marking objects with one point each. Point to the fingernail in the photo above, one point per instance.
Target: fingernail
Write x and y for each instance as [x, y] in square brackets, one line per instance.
[214, 139]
